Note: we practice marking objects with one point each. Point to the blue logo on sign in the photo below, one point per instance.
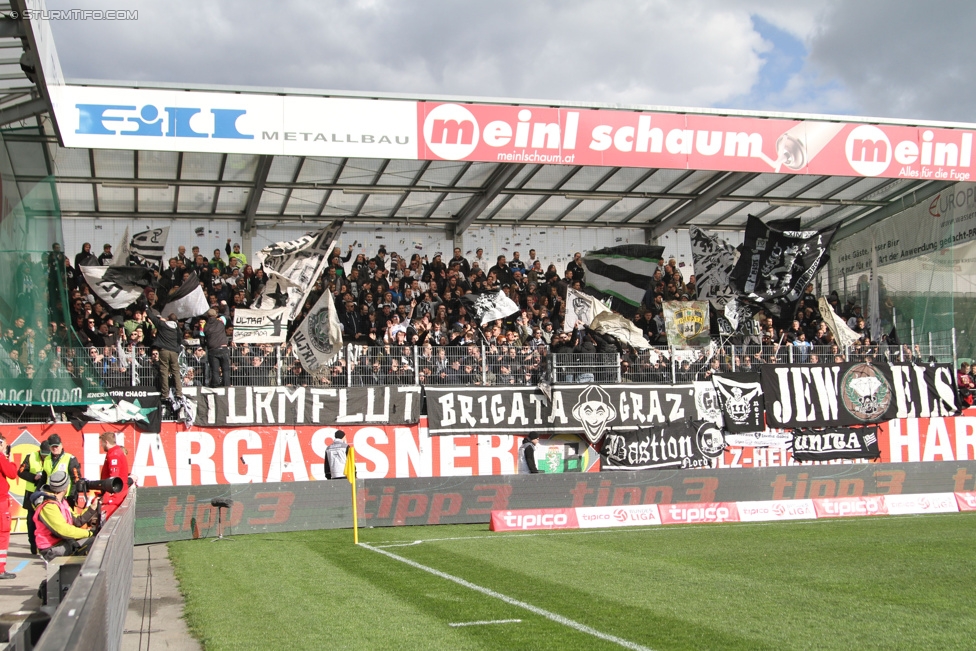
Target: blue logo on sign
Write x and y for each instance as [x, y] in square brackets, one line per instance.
[148, 122]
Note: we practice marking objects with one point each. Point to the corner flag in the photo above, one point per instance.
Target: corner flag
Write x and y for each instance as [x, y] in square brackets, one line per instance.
[350, 473]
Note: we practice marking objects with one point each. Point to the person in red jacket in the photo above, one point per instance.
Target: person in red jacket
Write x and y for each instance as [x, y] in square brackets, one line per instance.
[8, 470]
[116, 465]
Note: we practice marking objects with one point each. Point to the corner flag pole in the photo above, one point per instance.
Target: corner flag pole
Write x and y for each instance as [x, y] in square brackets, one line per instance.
[350, 473]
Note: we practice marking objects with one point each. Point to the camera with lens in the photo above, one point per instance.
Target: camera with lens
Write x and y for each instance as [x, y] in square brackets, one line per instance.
[111, 485]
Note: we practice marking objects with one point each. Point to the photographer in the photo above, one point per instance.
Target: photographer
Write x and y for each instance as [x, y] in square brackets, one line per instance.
[59, 531]
[8, 470]
[32, 472]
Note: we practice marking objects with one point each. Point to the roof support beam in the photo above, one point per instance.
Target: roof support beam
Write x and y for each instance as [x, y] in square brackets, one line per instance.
[477, 204]
[260, 178]
[22, 111]
[732, 182]
[905, 202]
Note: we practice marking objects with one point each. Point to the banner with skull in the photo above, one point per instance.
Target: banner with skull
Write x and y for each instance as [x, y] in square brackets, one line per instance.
[740, 399]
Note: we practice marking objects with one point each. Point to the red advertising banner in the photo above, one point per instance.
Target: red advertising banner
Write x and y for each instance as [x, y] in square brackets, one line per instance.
[701, 512]
[951, 438]
[533, 519]
[573, 136]
[966, 501]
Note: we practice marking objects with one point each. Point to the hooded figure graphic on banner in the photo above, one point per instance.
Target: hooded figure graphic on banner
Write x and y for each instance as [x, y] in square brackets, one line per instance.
[594, 410]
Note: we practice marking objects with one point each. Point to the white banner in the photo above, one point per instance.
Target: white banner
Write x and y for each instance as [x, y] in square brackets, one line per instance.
[179, 120]
[319, 337]
[261, 326]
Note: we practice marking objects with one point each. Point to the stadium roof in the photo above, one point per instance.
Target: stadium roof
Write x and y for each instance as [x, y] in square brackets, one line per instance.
[126, 177]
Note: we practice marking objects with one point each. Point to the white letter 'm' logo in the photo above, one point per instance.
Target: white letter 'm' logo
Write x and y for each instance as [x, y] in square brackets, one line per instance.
[868, 150]
[451, 131]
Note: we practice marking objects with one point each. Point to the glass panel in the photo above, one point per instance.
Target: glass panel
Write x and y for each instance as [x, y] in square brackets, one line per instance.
[271, 200]
[76, 196]
[417, 204]
[114, 164]
[476, 175]
[232, 200]
[201, 167]
[158, 164]
[586, 178]
[441, 173]
[283, 169]
[196, 199]
[304, 202]
[69, 162]
[27, 158]
[319, 170]
[400, 172]
[116, 199]
[157, 199]
[360, 171]
[240, 167]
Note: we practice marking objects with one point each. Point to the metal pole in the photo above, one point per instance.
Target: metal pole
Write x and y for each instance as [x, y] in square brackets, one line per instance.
[132, 365]
[484, 365]
[281, 360]
[955, 363]
[416, 365]
[733, 357]
[674, 366]
[930, 343]
[619, 374]
[348, 365]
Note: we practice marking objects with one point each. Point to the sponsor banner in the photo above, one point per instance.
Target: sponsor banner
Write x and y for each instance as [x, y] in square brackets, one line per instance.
[966, 501]
[291, 405]
[631, 515]
[533, 519]
[769, 510]
[685, 444]
[929, 439]
[851, 393]
[701, 512]
[573, 136]
[687, 323]
[740, 399]
[921, 503]
[180, 120]
[836, 443]
[929, 231]
[260, 326]
[588, 409]
[843, 507]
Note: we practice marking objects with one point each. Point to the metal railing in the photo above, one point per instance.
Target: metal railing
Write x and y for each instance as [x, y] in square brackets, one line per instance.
[476, 364]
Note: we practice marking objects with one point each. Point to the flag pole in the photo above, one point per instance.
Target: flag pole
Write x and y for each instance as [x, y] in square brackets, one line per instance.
[350, 472]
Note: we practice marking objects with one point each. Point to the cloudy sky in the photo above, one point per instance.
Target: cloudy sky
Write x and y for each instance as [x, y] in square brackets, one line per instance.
[892, 58]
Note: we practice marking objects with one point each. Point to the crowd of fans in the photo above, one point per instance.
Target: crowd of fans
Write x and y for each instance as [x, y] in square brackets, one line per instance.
[407, 323]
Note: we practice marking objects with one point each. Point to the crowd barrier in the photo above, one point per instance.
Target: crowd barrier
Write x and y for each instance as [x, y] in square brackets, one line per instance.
[180, 513]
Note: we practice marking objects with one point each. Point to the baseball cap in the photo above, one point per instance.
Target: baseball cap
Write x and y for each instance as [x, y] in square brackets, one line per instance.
[54, 439]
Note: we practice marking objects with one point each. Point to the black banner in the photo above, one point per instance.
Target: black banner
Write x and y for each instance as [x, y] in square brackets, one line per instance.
[836, 443]
[778, 264]
[852, 393]
[925, 391]
[687, 444]
[288, 405]
[589, 409]
[740, 396]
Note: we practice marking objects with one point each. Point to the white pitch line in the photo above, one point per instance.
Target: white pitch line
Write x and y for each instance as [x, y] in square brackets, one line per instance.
[486, 622]
[647, 529]
[559, 619]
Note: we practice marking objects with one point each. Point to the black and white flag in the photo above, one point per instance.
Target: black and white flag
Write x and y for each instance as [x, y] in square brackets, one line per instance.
[738, 318]
[293, 267]
[836, 443]
[120, 287]
[925, 391]
[260, 326]
[685, 444]
[148, 247]
[777, 265]
[714, 259]
[188, 300]
[740, 398]
[622, 273]
[318, 337]
[489, 306]
[581, 309]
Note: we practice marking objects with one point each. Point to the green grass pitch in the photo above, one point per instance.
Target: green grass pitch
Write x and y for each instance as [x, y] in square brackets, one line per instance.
[860, 583]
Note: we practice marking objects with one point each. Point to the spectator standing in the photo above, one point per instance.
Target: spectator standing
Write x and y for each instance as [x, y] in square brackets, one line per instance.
[335, 456]
[106, 258]
[168, 343]
[526, 458]
[214, 331]
[115, 465]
